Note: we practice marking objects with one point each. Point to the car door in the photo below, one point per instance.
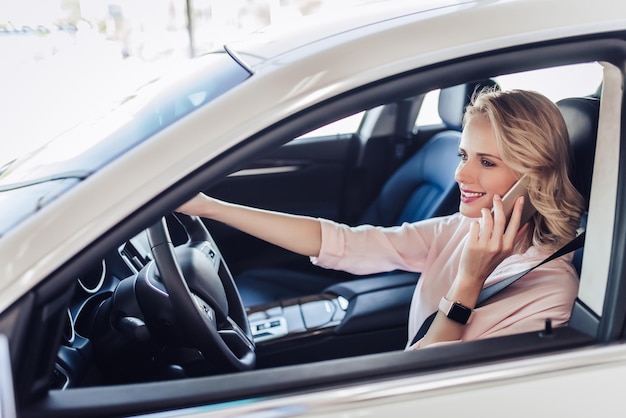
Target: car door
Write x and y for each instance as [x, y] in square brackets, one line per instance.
[306, 176]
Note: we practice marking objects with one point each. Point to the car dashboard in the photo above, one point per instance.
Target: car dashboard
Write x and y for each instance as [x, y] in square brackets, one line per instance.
[97, 348]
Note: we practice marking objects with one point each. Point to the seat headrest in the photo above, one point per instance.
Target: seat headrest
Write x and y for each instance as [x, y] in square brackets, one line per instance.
[453, 101]
[581, 117]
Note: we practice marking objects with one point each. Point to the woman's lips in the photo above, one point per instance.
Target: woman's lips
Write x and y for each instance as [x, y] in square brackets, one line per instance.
[468, 196]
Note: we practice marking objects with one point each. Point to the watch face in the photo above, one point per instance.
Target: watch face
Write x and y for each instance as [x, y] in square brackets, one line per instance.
[459, 313]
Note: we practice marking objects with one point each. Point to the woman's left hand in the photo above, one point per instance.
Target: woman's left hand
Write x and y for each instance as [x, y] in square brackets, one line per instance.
[490, 243]
[486, 246]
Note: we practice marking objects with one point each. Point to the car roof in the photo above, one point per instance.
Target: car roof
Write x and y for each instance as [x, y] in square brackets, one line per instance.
[278, 44]
[275, 40]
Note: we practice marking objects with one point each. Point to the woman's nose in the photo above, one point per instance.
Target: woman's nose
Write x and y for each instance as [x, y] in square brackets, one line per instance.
[463, 173]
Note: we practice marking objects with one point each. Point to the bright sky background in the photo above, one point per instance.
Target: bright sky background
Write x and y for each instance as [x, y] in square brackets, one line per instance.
[51, 79]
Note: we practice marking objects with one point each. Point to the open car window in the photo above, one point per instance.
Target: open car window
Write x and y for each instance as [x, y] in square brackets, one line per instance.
[576, 80]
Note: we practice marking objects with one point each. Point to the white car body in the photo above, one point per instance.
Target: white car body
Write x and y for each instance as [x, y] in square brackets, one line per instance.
[293, 72]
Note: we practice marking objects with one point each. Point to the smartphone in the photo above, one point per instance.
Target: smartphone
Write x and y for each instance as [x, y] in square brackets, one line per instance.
[520, 188]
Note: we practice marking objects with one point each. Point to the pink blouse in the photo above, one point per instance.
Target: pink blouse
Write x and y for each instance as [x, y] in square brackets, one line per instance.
[433, 247]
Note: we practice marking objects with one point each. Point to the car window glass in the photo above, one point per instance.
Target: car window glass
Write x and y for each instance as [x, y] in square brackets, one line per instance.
[556, 83]
[95, 142]
[428, 114]
[347, 125]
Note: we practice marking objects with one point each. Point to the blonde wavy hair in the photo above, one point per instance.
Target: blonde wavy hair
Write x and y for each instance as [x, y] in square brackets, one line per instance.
[532, 139]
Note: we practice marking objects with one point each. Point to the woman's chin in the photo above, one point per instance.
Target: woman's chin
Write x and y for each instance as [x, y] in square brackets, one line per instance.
[469, 212]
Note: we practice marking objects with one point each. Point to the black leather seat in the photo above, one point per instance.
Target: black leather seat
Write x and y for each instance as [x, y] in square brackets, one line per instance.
[581, 117]
[421, 188]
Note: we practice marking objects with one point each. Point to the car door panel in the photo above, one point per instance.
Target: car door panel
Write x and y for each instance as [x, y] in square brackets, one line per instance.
[306, 176]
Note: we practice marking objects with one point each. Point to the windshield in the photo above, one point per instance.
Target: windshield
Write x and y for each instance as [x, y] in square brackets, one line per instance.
[30, 182]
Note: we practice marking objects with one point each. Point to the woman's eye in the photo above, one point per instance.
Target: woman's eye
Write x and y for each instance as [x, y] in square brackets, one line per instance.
[462, 156]
[487, 163]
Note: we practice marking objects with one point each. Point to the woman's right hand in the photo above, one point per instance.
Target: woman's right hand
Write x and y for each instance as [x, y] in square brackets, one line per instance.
[490, 241]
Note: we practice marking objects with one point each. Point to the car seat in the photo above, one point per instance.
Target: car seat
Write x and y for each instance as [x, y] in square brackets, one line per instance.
[422, 187]
[581, 117]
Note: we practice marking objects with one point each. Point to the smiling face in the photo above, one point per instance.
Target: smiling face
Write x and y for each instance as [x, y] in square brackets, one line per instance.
[481, 173]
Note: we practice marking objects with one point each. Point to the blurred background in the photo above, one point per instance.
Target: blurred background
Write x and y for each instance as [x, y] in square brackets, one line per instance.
[64, 60]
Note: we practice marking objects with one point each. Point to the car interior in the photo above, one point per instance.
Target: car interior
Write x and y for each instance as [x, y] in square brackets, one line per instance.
[279, 319]
[422, 186]
[278, 308]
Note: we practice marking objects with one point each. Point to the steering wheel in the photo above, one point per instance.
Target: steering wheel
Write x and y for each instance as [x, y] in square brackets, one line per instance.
[204, 298]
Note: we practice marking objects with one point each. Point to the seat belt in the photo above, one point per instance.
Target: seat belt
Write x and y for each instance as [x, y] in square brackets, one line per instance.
[490, 291]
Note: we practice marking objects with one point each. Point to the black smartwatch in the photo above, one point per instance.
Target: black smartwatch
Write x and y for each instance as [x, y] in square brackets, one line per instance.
[455, 311]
